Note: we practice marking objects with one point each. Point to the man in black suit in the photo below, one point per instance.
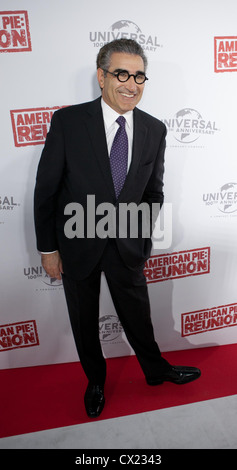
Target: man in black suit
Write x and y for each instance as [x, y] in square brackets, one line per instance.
[82, 158]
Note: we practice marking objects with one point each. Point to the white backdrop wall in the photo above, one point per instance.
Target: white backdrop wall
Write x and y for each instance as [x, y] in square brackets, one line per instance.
[47, 54]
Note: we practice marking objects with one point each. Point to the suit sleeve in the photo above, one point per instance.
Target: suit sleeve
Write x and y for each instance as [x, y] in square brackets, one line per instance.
[48, 181]
[153, 193]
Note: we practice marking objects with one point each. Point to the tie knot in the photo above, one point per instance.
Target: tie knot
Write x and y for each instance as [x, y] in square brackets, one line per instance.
[121, 121]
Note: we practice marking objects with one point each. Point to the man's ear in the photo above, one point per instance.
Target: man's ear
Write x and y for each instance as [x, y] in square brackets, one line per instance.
[100, 78]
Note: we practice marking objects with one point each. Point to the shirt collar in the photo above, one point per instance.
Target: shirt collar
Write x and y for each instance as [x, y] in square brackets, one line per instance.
[110, 115]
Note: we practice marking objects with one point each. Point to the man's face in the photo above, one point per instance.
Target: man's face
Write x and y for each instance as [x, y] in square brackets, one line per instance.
[122, 97]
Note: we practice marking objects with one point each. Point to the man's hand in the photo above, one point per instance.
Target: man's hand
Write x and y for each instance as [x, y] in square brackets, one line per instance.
[52, 264]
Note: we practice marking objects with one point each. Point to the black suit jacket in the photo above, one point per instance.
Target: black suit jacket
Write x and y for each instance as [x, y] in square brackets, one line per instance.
[74, 164]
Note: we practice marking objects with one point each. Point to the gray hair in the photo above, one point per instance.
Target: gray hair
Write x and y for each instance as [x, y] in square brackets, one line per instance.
[128, 46]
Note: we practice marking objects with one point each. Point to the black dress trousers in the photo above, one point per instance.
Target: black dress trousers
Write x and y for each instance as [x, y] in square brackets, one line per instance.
[129, 293]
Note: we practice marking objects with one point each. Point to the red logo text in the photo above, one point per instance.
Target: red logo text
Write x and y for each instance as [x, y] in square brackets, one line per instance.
[175, 265]
[225, 53]
[30, 126]
[18, 335]
[14, 31]
[215, 318]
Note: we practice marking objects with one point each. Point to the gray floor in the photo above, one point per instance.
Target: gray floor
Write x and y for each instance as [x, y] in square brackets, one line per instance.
[209, 424]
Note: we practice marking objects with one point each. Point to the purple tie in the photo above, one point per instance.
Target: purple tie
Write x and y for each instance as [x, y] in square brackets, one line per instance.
[119, 156]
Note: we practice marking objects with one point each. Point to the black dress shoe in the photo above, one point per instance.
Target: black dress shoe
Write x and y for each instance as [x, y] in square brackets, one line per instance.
[177, 374]
[94, 400]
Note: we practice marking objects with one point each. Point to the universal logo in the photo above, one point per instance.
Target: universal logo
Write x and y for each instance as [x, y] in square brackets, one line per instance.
[188, 125]
[7, 203]
[36, 272]
[124, 29]
[110, 328]
[225, 200]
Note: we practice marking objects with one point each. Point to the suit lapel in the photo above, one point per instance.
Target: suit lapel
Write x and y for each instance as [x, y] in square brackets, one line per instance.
[96, 130]
[95, 126]
[139, 137]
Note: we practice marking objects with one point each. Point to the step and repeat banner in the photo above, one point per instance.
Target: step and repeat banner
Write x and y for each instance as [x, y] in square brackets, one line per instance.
[47, 54]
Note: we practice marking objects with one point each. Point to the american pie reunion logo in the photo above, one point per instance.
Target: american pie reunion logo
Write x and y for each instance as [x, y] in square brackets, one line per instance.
[210, 319]
[30, 126]
[177, 265]
[18, 335]
[225, 53]
[14, 31]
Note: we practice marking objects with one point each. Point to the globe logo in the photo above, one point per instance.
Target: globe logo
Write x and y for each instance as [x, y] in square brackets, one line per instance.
[52, 281]
[187, 123]
[124, 29]
[187, 126]
[228, 198]
[110, 328]
[125, 26]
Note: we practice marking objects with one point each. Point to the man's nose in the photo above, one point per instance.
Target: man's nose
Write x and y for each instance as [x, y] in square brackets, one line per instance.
[131, 84]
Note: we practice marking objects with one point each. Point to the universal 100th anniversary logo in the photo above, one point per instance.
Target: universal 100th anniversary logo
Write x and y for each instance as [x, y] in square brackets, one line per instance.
[124, 29]
[224, 199]
[187, 126]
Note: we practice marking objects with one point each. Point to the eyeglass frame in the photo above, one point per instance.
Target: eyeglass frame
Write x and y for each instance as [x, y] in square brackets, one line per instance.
[116, 74]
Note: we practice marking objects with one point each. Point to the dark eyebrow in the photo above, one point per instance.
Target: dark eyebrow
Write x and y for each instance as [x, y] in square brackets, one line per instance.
[120, 70]
[139, 72]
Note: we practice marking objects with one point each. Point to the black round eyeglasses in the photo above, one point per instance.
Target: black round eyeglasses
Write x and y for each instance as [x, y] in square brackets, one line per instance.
[123, 76]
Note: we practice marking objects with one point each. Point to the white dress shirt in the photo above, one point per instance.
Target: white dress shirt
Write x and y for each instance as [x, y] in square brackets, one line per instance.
[111, 127]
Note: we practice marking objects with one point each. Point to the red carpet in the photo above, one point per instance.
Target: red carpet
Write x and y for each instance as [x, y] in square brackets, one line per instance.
[46, 397]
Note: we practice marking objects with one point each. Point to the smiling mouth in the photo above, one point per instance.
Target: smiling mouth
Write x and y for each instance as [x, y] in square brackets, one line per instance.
[130, 95]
